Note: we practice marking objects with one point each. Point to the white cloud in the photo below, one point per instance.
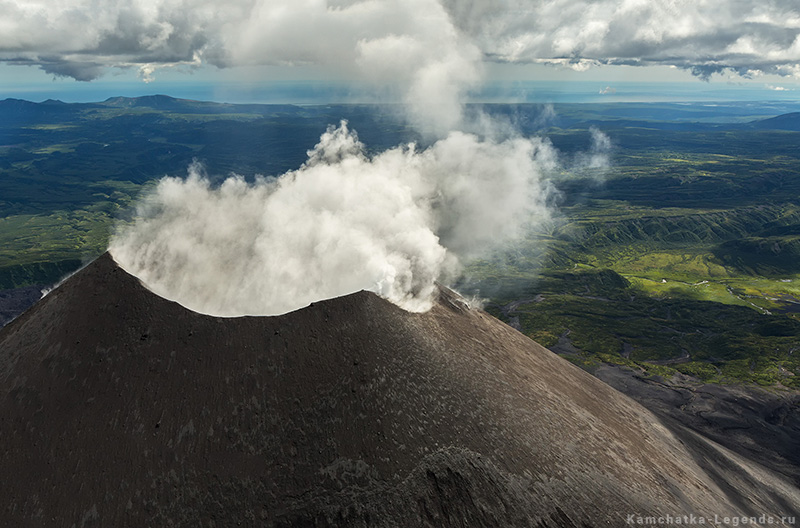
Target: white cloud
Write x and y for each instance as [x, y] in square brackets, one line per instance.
[704, 37]
[393, 41]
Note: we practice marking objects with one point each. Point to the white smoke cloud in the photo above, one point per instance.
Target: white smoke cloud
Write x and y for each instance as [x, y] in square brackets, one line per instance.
[590, 165]
[394, 224]
[600, 149]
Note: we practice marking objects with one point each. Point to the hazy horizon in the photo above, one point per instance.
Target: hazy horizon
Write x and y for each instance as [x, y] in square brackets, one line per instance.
[326, 92]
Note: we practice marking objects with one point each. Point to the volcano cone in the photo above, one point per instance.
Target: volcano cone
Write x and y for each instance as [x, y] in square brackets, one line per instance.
[120, 408]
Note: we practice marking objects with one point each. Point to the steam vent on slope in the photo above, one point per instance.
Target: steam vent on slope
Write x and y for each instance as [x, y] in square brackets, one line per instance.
[120, 408]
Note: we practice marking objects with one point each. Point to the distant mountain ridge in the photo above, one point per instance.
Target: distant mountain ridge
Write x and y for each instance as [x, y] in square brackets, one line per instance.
[694, 120]
[21, 108]
[169, 104]
[789, 121]
[166, 103]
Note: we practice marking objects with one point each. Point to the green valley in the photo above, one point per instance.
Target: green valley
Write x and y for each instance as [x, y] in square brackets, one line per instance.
[686, 258]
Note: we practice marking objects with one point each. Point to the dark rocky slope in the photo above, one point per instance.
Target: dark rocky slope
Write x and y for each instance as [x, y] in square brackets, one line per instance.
[120, 408]
[760, 424]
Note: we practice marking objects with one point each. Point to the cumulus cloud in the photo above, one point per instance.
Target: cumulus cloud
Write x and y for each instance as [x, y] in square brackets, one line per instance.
[82, 38]
[701, 36]
[394, 224]
[390, 41]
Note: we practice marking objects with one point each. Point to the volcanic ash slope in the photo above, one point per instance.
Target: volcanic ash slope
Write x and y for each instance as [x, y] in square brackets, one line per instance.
[120, 408]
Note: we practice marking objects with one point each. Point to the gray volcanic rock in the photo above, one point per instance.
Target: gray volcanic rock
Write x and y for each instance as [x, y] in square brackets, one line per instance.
[120, 408]
[758, 423]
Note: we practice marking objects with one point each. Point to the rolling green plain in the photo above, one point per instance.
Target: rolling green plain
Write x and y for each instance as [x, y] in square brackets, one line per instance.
[682, 256]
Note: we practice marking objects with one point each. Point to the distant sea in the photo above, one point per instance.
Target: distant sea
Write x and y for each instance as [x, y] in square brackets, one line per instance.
[628, 92]
[313, 92]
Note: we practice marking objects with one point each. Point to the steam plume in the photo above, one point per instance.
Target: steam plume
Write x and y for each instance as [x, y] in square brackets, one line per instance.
[393, 224]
